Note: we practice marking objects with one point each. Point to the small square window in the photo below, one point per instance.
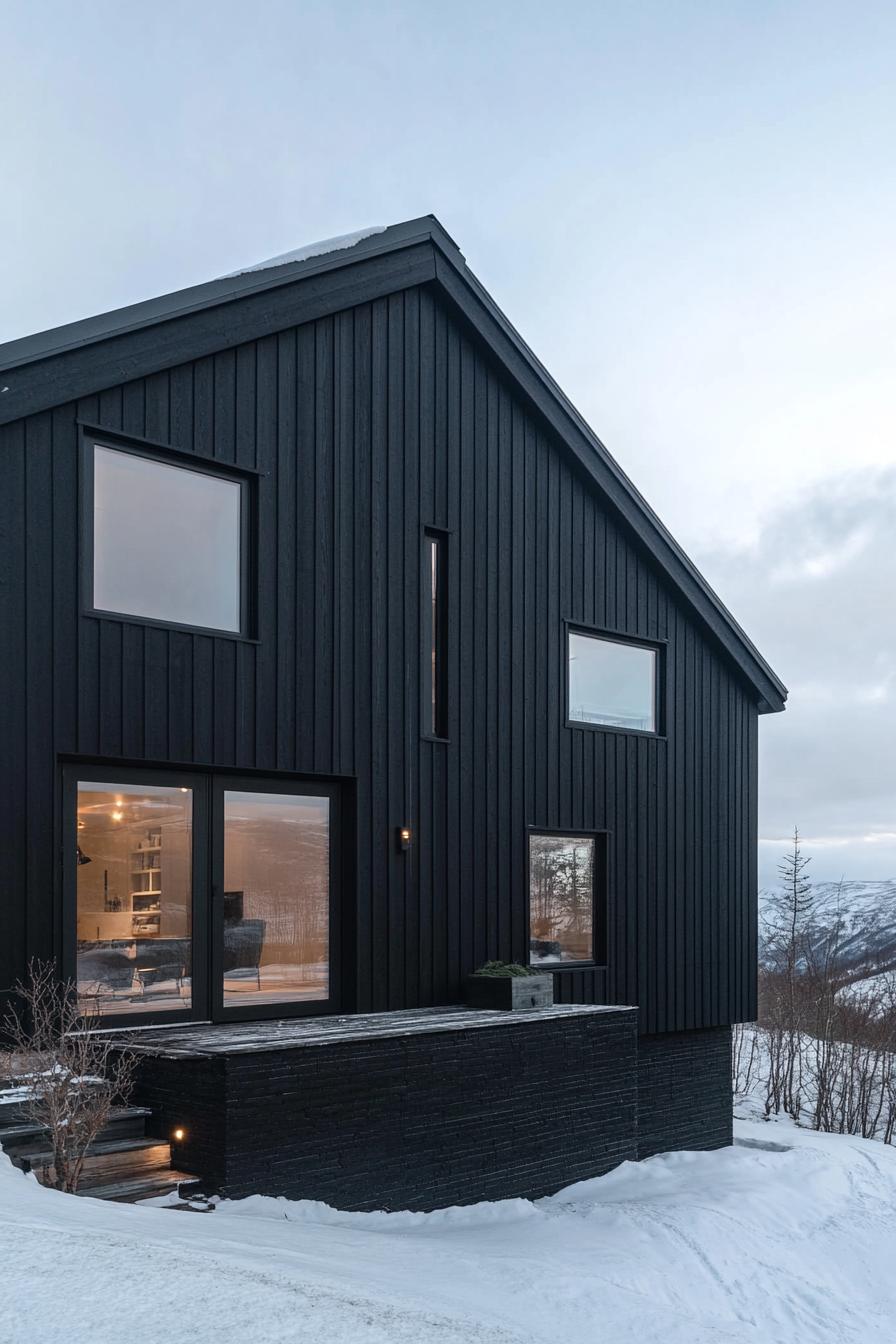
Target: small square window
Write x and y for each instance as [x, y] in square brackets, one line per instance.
[565, 871]
[612, 683]
[168, 541]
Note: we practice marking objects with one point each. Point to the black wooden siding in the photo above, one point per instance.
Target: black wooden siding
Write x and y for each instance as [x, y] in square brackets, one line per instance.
[368, 426]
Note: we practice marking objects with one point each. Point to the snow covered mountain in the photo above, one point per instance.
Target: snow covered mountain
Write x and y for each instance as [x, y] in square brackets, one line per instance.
[867, 911]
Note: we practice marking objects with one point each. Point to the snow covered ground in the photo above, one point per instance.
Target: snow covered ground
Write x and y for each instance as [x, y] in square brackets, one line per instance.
[747, 1244]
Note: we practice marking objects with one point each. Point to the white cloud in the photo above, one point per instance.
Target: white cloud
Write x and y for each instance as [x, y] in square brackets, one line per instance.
[828, 764]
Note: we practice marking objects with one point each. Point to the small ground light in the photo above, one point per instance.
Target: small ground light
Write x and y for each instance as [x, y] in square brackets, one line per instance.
[179, 1135]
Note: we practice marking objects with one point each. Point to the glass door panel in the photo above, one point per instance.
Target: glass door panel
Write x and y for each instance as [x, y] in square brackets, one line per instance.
[134, 897]
[275, 898]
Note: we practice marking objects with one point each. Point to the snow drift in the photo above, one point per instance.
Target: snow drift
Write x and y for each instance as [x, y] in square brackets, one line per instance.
[790, 1237]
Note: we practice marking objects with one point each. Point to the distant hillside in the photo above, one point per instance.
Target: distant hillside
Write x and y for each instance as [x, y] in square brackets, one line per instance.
[868, 916]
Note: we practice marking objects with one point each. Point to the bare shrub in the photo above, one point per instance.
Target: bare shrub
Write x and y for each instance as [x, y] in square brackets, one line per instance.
[745, 1060]
[70, 1077]
[826, 1039]
[853, 1063]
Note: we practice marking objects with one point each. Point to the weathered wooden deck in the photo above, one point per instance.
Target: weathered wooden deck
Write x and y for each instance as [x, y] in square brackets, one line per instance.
[205, 1039]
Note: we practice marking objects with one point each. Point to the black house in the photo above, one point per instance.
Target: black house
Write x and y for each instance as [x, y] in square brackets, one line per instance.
[338, 658]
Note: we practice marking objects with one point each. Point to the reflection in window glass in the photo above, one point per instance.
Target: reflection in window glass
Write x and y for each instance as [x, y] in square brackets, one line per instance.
[611, 683]
[276, 898]
[166, 541]
[134, 884]
[561, 898]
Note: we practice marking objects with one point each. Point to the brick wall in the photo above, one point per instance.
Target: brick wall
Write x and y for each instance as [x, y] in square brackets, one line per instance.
[192, 1094]
[450, 1117]
[409, 1122]
[684, 1091]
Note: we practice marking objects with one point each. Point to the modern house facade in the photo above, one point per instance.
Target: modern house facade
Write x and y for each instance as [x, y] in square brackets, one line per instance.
[340, 657]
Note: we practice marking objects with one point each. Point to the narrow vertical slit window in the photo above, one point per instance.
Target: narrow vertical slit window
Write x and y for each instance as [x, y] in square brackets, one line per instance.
[435, 588]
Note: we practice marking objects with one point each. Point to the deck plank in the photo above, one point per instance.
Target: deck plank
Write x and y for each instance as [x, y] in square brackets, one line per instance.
[204, 1039]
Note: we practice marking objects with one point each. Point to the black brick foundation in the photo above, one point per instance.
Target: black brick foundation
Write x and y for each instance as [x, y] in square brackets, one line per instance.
[684, 1091]
[425, 1120]
[411, 1121]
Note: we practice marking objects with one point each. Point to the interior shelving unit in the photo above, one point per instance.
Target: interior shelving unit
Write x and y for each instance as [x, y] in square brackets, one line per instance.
[146, 887]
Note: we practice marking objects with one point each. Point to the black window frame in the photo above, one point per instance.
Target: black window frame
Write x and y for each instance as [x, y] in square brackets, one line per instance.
[208, 786]
[600, 898]
[223, 782]
[93, 437]
[434, 704]
[105, 772]
[656, 646]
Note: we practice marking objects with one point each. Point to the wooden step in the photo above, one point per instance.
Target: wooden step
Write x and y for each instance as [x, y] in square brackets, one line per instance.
[11, 1112]
[125, 1122]
[102, 1158]
[122, 1164]
[147, 1187]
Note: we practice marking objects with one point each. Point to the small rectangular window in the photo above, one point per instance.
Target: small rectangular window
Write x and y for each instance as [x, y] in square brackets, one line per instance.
[168, 541]
[435, 582]
[612, 682]
[562, 874]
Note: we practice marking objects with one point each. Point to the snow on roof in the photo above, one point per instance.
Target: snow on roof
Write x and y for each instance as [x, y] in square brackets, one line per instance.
[310, 250]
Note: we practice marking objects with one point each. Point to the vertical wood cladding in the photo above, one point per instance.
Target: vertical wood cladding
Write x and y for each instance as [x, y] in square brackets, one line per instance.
[368, 426]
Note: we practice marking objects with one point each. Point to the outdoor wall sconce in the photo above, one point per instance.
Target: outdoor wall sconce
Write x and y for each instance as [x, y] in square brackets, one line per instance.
[179, 1135]
[403, 838]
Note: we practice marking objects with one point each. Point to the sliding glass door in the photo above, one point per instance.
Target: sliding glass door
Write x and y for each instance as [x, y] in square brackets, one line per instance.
[134, 858]
[197, 896]
[273, 902]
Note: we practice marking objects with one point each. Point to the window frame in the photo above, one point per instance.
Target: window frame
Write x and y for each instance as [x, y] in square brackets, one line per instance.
[600, 899]
[93, 437]
[431, 723]
[656, 646]
[75, 773]
[223, 782]
[208, 786]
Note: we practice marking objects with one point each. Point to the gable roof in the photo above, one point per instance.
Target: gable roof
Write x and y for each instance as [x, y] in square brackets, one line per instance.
[80, 358]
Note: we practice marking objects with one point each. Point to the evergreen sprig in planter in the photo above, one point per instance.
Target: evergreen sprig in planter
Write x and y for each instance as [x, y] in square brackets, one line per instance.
[506, 985]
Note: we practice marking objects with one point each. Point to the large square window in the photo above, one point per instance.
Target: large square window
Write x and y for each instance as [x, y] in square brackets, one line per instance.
[168, 541]
[612, 683]
[563, 874]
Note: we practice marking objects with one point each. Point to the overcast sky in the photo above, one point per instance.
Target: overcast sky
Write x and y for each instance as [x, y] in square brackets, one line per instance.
[686, 209]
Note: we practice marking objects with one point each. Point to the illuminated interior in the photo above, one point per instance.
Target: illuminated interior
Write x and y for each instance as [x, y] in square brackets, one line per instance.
[134, 898]
[276, 898]
[134, 948]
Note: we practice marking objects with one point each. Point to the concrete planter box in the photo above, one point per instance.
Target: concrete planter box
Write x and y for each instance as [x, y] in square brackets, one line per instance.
[509, 992]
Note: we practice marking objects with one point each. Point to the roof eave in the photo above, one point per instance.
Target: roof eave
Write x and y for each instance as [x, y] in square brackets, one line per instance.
[461, 286]
[58, 341]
